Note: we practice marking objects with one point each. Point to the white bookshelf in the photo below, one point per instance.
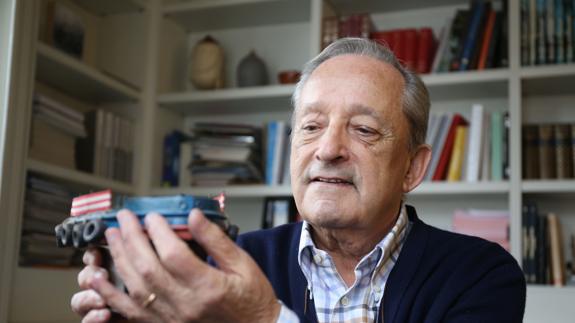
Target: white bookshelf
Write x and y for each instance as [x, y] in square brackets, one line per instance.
[228, 100]
[548, 186]
[112, 7]
[70, 75]
[548, 80]
[207, 15]
[77, 178]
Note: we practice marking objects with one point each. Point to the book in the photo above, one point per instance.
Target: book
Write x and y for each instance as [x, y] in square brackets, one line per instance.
[496, 146]
[550, 31]
[532, 32]
[485, 172]
[556, 250]
[492, 225]
[442, 50]
[456, 162]
[475, 143]
[51, 145]
[540, 35]
[437, 146]
[446, 152]
[563, 154]
[186, 152]
[487, 39]
[66, 28]
[425, 50]
[458, 35]
[473, 34]
[546, 151]
[530, 154]
[559, 32]
[495, 41]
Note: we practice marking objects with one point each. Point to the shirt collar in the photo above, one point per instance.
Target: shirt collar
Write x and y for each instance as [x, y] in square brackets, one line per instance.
[391, 241]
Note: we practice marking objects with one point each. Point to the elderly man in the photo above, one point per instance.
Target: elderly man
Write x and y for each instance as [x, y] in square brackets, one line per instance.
[360, 255]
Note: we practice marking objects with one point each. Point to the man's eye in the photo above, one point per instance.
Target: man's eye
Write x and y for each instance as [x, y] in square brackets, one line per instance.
[310, 127]
[365, 131]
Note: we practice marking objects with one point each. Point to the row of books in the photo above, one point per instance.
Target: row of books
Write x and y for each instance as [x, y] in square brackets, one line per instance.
[474, 38]
[98, 142]
[547, 32]
[54, 130]
[107, 151]
[543, 256]
[468, 151]
[278, 211]
[492, 225]
[548, 151]
[46, 204]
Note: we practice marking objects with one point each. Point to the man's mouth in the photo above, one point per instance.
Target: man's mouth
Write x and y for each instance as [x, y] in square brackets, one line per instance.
[331, 180]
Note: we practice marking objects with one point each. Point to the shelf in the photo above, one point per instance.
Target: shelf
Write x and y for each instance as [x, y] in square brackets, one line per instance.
[203, 15]
[549, 304]
[235, 100]
[467, 85]
[240, 191]
[548, 186]
[441, 188]
[347, 7]
[77, 178]
[548, 80]
[111, 7]
[72, 76]
[264, 190]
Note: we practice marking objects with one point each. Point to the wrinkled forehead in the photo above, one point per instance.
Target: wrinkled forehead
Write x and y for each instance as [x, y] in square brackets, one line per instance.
[356, 84]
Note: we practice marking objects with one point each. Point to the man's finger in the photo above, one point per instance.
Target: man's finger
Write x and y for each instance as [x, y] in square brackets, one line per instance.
[92, 257]
[117, 300]
[85, 301]
[86, 275]
[135, 240]
[97, 316]
[173, 252]
[213, 239]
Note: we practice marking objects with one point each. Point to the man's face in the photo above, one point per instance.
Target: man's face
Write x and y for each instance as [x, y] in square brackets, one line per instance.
[350, 140]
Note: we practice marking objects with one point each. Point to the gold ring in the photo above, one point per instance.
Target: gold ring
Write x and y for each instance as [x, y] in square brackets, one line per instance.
[151, 298]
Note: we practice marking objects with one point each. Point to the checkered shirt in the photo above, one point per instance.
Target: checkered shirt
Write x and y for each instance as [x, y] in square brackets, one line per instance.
[334, 301]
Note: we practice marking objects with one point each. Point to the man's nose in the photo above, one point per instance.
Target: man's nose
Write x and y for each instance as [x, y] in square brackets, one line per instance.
[333, 145]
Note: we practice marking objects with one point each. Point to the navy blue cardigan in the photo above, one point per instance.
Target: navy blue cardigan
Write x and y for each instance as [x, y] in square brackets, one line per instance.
[440, 276]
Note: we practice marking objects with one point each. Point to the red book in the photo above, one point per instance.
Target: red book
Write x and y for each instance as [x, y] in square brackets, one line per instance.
[383, 37]
[488, 35]
[425, 51]
[411, 50]
[441, 170]
[398, 41]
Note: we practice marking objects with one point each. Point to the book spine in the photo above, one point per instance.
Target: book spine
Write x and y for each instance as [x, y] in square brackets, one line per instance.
[559, 32]
[475, 136]
[569, 55]
[487, 39]
[456, 161]
[550, 31]
[540, 35]
[496, 146]
[556, 248]
[425, 52]
[411, 48]
[525, 32]
[530, 152]
[532, 32]
[472, 35]
[442, 51]
[546, 152]
[446, 152]
[270, 152]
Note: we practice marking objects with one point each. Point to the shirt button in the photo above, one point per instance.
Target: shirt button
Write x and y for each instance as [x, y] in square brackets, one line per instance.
[377, 289]
[344, 301]
[318, 259]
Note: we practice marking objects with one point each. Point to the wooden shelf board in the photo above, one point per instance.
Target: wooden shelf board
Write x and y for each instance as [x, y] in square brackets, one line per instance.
[347, 7]
[111, 7]
[203, 15]
[244, 191]
[548, 186]
[467, 85]
[441, 188]
[72, 76]
[548, 80]
[241, 191]
[273, 97]
[77, 178]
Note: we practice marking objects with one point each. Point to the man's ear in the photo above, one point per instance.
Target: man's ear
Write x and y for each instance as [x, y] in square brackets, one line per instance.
[417, 168]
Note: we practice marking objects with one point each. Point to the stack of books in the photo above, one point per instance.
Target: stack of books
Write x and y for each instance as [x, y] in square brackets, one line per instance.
[224, 154]
[415, 48]
[55, 128]
[107, 151]
[547, 32]
[492, 225]
[543, 251]
[548, 151]
[358, 25]
[468, 151]
[47, 204]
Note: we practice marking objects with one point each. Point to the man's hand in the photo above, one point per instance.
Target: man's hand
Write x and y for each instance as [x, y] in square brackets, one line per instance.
[185, 287]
